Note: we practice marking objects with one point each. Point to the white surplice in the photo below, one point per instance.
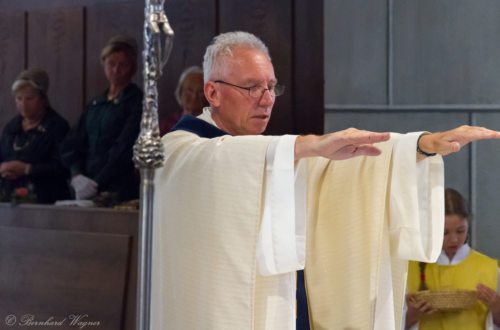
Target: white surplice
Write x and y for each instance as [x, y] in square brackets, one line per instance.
[416, 219]
[416, 227]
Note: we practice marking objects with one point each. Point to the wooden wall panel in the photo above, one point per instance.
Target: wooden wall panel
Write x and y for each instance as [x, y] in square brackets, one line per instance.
[308, 85]
[112, 227]
[194, 24]
[62, 272]
[37, 4]
[12, 50]
[272, 21]
[103, 22]
[55, 44]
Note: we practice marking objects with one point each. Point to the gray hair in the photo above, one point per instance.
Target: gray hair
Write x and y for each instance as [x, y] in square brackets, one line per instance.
[223, 46]
[183, 76]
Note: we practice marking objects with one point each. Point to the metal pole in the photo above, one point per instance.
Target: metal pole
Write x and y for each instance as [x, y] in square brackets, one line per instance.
[148, 150]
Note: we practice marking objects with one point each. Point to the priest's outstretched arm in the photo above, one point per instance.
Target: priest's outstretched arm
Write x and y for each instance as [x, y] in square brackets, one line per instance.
[353, 142]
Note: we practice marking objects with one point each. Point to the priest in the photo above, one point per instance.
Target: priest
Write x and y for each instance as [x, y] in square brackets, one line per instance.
[238, 213]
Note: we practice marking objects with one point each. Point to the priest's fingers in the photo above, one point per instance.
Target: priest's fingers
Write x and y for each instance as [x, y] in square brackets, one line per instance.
[453, 140]
[338, 145]
[473, 133]
[353, 136]
[354, 151]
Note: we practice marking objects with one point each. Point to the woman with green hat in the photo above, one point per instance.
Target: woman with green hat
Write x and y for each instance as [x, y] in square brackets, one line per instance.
[29, 156]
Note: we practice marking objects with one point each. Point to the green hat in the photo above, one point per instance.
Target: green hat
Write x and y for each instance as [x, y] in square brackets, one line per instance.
[34, 77]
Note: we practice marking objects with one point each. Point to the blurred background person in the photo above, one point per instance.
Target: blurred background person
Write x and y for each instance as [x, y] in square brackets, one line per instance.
[99, 150]
[189, 95]
[458, 268]
[29, 144]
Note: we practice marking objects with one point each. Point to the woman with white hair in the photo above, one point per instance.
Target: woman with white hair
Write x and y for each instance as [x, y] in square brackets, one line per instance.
[189, 95]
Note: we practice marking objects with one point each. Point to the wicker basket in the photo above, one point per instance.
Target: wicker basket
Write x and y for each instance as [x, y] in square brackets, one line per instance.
[449, 300]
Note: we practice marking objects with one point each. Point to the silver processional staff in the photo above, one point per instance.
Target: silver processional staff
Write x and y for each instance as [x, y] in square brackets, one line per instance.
[148, 150]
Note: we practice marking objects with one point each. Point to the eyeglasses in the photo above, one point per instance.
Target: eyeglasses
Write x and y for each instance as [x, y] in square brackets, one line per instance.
[257, 91]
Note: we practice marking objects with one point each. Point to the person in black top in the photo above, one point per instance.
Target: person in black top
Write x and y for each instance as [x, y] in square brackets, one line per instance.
[29, 143]
[99, 150]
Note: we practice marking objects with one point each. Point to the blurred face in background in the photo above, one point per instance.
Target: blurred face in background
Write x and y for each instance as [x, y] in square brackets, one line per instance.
[455, 234]
[118, 68]
[29, 102]
[191, 94]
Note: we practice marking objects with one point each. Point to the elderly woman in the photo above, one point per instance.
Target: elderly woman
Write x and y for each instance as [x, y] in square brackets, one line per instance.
[29, 144]
[189, 95]
[99, 151]
[458, 267]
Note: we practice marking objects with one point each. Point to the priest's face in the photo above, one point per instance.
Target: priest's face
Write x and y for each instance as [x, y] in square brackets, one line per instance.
[241, 95]
[455, 234]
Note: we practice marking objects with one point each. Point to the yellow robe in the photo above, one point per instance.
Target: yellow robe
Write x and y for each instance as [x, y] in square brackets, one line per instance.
[474, 269]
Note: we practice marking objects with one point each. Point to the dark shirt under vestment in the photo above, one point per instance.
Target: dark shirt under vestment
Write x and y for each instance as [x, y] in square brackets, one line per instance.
[101, 146]
[39, 148]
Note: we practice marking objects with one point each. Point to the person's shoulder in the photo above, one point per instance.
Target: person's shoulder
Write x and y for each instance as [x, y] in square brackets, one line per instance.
[484, 256]
[13, 125]
[54, 119]
[133, 91]
[97, 99]
[198, 126]
[131, 100]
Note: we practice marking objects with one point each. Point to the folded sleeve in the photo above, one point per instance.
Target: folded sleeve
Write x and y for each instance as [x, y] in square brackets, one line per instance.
[281, 244]
[416, 202]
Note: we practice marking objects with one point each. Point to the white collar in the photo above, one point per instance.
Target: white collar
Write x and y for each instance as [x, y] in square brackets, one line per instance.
[206, 115]
[461, 254]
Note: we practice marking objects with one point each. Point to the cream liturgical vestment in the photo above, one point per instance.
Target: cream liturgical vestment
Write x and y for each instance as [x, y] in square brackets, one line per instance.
[365, 222]
[219, 258]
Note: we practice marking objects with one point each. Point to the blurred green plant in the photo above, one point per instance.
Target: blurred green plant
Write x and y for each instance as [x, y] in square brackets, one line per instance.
[106, 199]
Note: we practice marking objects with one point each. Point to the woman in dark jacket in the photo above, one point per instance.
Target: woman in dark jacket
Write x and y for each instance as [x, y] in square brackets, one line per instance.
[29, 144]
[99, 151]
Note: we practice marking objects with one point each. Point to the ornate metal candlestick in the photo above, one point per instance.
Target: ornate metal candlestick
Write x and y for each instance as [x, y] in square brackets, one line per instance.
[148, 150]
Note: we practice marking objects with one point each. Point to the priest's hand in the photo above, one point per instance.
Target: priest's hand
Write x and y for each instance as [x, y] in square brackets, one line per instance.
[444, 143]
[340, 145]
[416, 309]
